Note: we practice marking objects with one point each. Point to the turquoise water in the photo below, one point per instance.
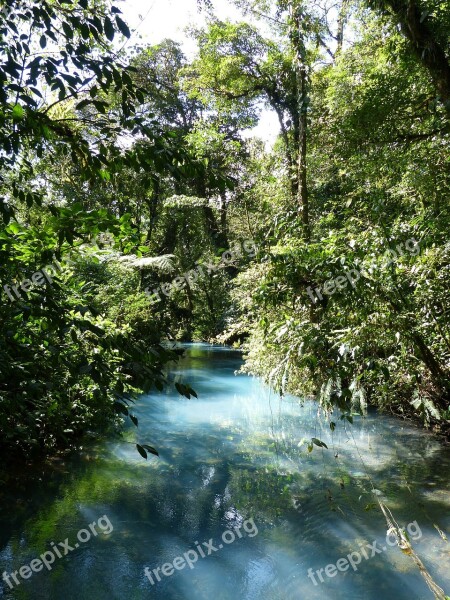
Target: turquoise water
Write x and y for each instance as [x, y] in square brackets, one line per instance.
[232, 461]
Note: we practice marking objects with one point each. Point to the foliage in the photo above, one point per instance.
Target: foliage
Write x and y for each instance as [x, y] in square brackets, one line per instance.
[69, 363]
[143, 150]
[378, 175]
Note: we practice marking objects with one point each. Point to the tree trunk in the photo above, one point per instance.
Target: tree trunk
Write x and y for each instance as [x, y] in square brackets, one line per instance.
[428, 50]
[423, 351]
[223, 208]
[153, 206]
[212, 226]
[290, 159]
[302, 108]
[303, 198]
[340, 27]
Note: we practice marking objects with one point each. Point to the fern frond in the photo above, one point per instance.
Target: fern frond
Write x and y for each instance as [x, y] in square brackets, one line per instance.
[163, 263]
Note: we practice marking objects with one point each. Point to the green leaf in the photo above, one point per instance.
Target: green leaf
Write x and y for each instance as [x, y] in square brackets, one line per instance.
[385, 372]
[14, 228]
[141, 451]
[123, 27]
[83, 104]
[18, 112]
[151, 449]
[109, 29]
[183, 390]
[68, 31]
[121, 408]
[100, 106]
[319, 443]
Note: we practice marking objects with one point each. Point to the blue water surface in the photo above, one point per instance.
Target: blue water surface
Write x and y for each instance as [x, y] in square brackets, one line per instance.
[235, 479]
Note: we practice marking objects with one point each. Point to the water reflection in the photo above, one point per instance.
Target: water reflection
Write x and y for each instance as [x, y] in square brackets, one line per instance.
[232, 455]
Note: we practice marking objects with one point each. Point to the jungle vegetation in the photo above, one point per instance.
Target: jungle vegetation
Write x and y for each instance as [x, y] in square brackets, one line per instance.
[129, 166]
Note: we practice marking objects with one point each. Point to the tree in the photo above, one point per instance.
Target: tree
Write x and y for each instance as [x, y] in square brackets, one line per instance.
[427, 29]
[66, 366]
[238, 67]
[378, 176]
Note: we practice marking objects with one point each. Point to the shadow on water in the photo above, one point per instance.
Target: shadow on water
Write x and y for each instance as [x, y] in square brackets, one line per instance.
[228, 457]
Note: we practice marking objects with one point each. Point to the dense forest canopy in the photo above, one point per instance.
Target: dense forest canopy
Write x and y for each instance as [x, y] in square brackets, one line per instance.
[136, 209]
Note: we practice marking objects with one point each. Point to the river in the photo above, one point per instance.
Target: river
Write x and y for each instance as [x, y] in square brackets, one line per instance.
[235, 507]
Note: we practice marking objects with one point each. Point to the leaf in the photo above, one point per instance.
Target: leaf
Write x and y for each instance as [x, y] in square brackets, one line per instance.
[184, 390]
[348, 418]
[87, 325]
[109, 29]
[14, 228]
[385, 372]
[141, 451]
[18, 112]
[36, 91]
[135, 420]
[319, 443]
[192, 392]
[83, 104]
[120, 408]
[68, 31]
[123, 27]
[100, 105]
[151, 449]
